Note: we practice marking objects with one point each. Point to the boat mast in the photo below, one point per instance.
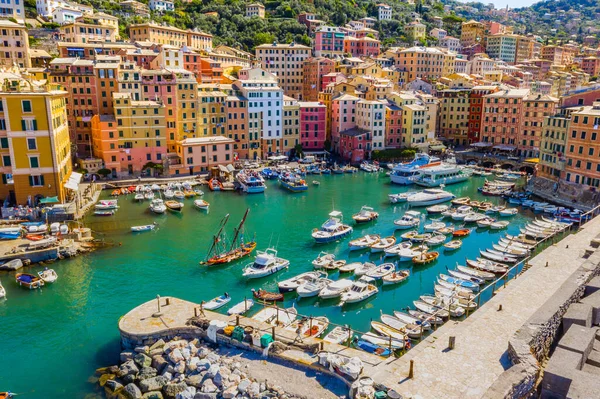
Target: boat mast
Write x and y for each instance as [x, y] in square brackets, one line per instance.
[238, 229]
[217, 237]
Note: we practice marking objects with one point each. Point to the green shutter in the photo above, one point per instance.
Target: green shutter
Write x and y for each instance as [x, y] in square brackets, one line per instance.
[31, 181]
[41, 180]
[23, 127]
[4, 181]
[34, 124]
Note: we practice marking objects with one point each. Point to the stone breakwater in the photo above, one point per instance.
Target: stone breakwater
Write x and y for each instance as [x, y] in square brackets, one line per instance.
[185, 369]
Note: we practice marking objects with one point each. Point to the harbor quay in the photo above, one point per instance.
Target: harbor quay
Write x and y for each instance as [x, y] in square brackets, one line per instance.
[473, 358]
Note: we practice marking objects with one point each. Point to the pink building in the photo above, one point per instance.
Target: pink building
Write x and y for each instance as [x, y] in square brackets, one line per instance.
[202, 153]
[343, 117]
[362, 47]
[329, 41]
[333, 77]
[585, 97]
[313, 117]
[353, 143]
[393, 125]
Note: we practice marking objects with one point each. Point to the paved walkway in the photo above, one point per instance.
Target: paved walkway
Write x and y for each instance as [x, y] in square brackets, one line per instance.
[480, 356]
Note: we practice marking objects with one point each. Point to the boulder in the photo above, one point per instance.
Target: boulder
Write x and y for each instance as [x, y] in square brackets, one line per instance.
[175, 356]
[160, 344]
[192, 364]
[171, 390]
[195, 380]
[205, 395]
[253, 390]
[187, 393]
[147, 372]
[243, 385]
[131, 391]
[179, 367]
[129, 378]
[126, 355]
[213, 357]
[105, 377]
[112, 387]
[153, 395]
[159, 362]
[107, 370]
[12, 265]
[142, 360]
[202, 352]
[208, 386]
[153, 384]
[129, 367]
[230, 392]
[155, 352]
[213, 370]
[141, 349]
[217, 379]
[170, 346]
[185, 352]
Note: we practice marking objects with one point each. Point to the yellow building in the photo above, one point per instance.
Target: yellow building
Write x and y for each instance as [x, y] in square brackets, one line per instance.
[291, 124]
[15, 43]
[186, 92]
[159, 34]
[89, 29]
[472, 33]
[34, 140]
[212, 116]
[415, 30]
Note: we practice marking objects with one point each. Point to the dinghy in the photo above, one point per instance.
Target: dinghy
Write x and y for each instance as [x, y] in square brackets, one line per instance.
[395, 249]
[412, 330]
[335, 265]
[383, 342]
[380, 271]
[508, 212]
[383, 244]
[364, 268]
[431, 310]
[453, 245]
[461, 232]
[475, 272]
[408, 254]
[241, 307]
[498, 258]
[48, 275]
[408, 319]
[293, 283]
[267, 296]
[338, 335]
[434, 226]
[277, 317]
[349, 267]
[501, 224]
[146, 227]
[173, 205]
[29, 281]
[455, 310]
[312, 288]
[435, 209]
[217, 302]
[449, 292]
[201, 204]
[487, 265]
[366, 214]
[457, 288]
[387, 331]
[322, 260]
[363, 242]
[396, 277]
[466, 277]
[426, 317]
[437, 239]
[373, 348]
[511, 250]
[425, 257]
[460, 282]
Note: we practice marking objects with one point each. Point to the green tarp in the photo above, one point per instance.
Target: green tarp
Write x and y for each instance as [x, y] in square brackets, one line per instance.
[49, 200]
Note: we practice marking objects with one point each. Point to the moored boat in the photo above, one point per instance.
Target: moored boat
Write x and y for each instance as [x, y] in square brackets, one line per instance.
[145, 227]
[217, 302]
[266, 295]
[338, 335]
[201, 204]
[29, 281]
[383, 244]
[365, 215]
[425, 257]
[220, 253]
[332, 230]
[322, 260]
[396, 277]
[360, 291]
[175, 206]
[409, 220]
[48, 275]
[158, 206]
[430, 196]
[453, 245]
[363, 242]
[241, 307]
[266, 263]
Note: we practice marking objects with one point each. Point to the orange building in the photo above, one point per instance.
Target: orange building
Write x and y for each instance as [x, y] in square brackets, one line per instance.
[591, 65]
[583, 147]
[536, 108]
[427, 63]
[502, 118]
[237, 124]
[314, 69]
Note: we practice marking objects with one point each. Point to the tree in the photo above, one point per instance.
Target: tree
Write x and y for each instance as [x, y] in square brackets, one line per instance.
[299, 151]
[263, 38]
[104, 172]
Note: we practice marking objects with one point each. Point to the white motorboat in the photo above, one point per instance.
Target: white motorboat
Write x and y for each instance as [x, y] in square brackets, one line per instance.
[312, 288]
[179, 194]
[434, 226]
[396, 277]
[431, 310]
[323, 260]
[476, 272]
[380, 271]
[149, 195]
[430, 196]
[266, 263]
[497, 257]
[484, 223]
[412, 330]
[365, 215]
[407, 173]
[360, 291]
[201, 204]
[338, 335]
[408, 254]
[293, 283]
[241, 307]
[409, 220]
[437, 239]
[435, 209]
[332, 230]
[502, 224]
[443, 175]
[408, 319]
[335, 289]
[350, 267]
[48, 275]
[217, 302]
[158, 206]
[383, 244]
[474, 217]
[169, 194]
[399, 198]
[395, 249]
[277, 317]
[461, 212]
[364, 268]
[139, 197]
[146, 227]
[363, 242]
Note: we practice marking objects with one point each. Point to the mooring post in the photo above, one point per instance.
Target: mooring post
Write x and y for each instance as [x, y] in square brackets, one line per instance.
[168, 301]
[499, 307]
[451, 342]
[158, 312]
[195, 311]
[411, 373]
[273, 333]
[237, 319]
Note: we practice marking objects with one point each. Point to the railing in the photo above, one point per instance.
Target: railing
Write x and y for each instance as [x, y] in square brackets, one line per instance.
[589, 215]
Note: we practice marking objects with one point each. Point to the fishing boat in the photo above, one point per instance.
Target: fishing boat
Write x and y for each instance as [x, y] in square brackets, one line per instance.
[380, 344]
[408, 220]
[474, 217]
[446, 230]
[201, 204]
[394, 250]
[380, 271]
[220, 253]
[443, 174]
[396, 277]
[431, 310]
[215, 185]
[430, 196]
[169, 194]
[158, 206]
[466, 277]
[461, 232]
[453, 245]
[409, 329]
[437, 239]
[425, 257]
[383, 244]
[476, 272]
[407, 173]
[461, 212]
[29, 281]
[217, 302]
[293, 283]
[338, 335]
[374, 349]
[409, 235]
[461, 201]
[251, 182]
[267, 296]
[487, 265]
[178, 194]
[501, 224]
[421, 237]
[241, 307]
[425, 317]
[312, 288]
[293, 182]
[145, 227]
[435, 209]
[498, 257]
[399, 198]
[511, 250]
[451, 304]
[266, 263]
[139, 197]
[48, 275]
[332, 230]
[434, 226]
[335, 288]
[104, 213]
[408, 254]
[322, 260]
[460, 282]
[175, 206]
[363, 242]
[350, 267]
[360, 291]
[364, 268]
[336, 264]
[485, 223]
[409, 319]
[365, 215]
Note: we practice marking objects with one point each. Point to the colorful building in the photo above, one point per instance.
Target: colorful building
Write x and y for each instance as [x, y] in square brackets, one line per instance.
[291, 125]
[415, 30]
[237, 124]
[472, 33]
[427, 63]
[370, 115]
[362, 47]
[537, 108]
[15, 43]
[200, 154]
[161, 34]
[312, 125]
[453, 116]
[384, 12]
[329, 42]
[286, 62]
[583, 147]
[313, 71]
[88, 29]
[502, 47]
[255, 10]
[554, 143]
[502, 117]
[355, 144]
[343, 117]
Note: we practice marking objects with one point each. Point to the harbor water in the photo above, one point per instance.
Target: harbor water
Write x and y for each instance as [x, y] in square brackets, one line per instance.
[54, 338]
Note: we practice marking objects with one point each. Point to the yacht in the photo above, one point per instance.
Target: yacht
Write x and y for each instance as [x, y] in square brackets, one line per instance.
[430, 196]
[265, 264]
[293, 182]
[332, 230]
[251, 182]
[443, 174]
[407, 173]
[408, 220]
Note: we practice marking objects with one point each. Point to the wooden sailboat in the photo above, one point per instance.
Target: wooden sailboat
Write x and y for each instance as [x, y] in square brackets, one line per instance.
[219, 253]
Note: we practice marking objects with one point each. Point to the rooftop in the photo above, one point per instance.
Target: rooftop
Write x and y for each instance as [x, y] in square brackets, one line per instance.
[355, 131]
[206, 140]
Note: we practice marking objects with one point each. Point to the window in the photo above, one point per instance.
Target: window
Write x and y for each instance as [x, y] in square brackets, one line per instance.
[6, 160]
[36, 181]
[4, 142]
[26, 104]
[31, 144]
[34, 162]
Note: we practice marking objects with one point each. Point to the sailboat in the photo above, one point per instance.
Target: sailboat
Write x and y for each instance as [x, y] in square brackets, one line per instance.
[220, 253]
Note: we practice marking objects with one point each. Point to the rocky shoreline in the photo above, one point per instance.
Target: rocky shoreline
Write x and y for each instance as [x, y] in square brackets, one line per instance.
[186, 369]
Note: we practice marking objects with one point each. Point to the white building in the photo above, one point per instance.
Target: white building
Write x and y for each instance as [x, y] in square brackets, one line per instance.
[480, 66]
[172, 57]
[46, 7]
[370, 115]
[384, 12]
[65, 15]
[451, 43]
[265, 103]
[161, 5]
[438, 33]
[13, 9]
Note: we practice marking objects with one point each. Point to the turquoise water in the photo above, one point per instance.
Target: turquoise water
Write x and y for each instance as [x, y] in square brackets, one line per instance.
[54, 339]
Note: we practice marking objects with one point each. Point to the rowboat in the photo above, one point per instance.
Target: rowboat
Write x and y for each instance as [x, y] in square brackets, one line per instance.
[426, 317]
[437, 239]
[461, 201]
[521, 239]
[396, 277]
[241, 307]
[29, 281]
[474, 217]
[457, 281]
[383, 244]
[456, 288]
[487, 265]
[179, 194]
[335, 289]
[535, 234]
[483, 223]
[409, 235]
[465, 277]
[455, 310]
[383, 342]
[349, 267]
[48, 275]
[277, 317]
[461, 212]
[380, 271]
[316, 183]
[322, 260]
[437, 209]
[453, 245]
[498, 257]
[365, 215]
[336, 264]
[408, 319]
[511, 250]
[312, 327]
[338, 335]
[266, 295]
[461, 232]
[421, 237]
[174, 205]
[475, 272]
[408, 254]
[201, 204]
[508, 212]
[360, 291]
[502, 224]
[447, 291]
[364, 268]
[507, 242]
[446, 230]
[425, 257]
[104, 213]
[394, 250]
[412, 330]
[312, 288]
[363, 242]
[375, 349]
[387, 331]
[434, 226]
[293, 283]
[217, 302]
[145, 227]
[454, 301]
[431, 310]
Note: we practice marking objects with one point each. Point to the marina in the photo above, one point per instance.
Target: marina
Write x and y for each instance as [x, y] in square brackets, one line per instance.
[166, 260]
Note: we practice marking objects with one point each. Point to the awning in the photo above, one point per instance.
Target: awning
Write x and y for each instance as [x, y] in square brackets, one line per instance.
[421, 145]
[277, 158]
[532, 160]
[49, 200]
[75, 49]
[438, 147]
[74, 180]
[481, 144]
[504, 147]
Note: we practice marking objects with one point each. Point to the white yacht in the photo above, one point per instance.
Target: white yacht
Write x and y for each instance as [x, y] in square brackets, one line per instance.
[265, 264]
[407, 173]
[332, 230]
[430, 196]
[443, 174]
[408, 220]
